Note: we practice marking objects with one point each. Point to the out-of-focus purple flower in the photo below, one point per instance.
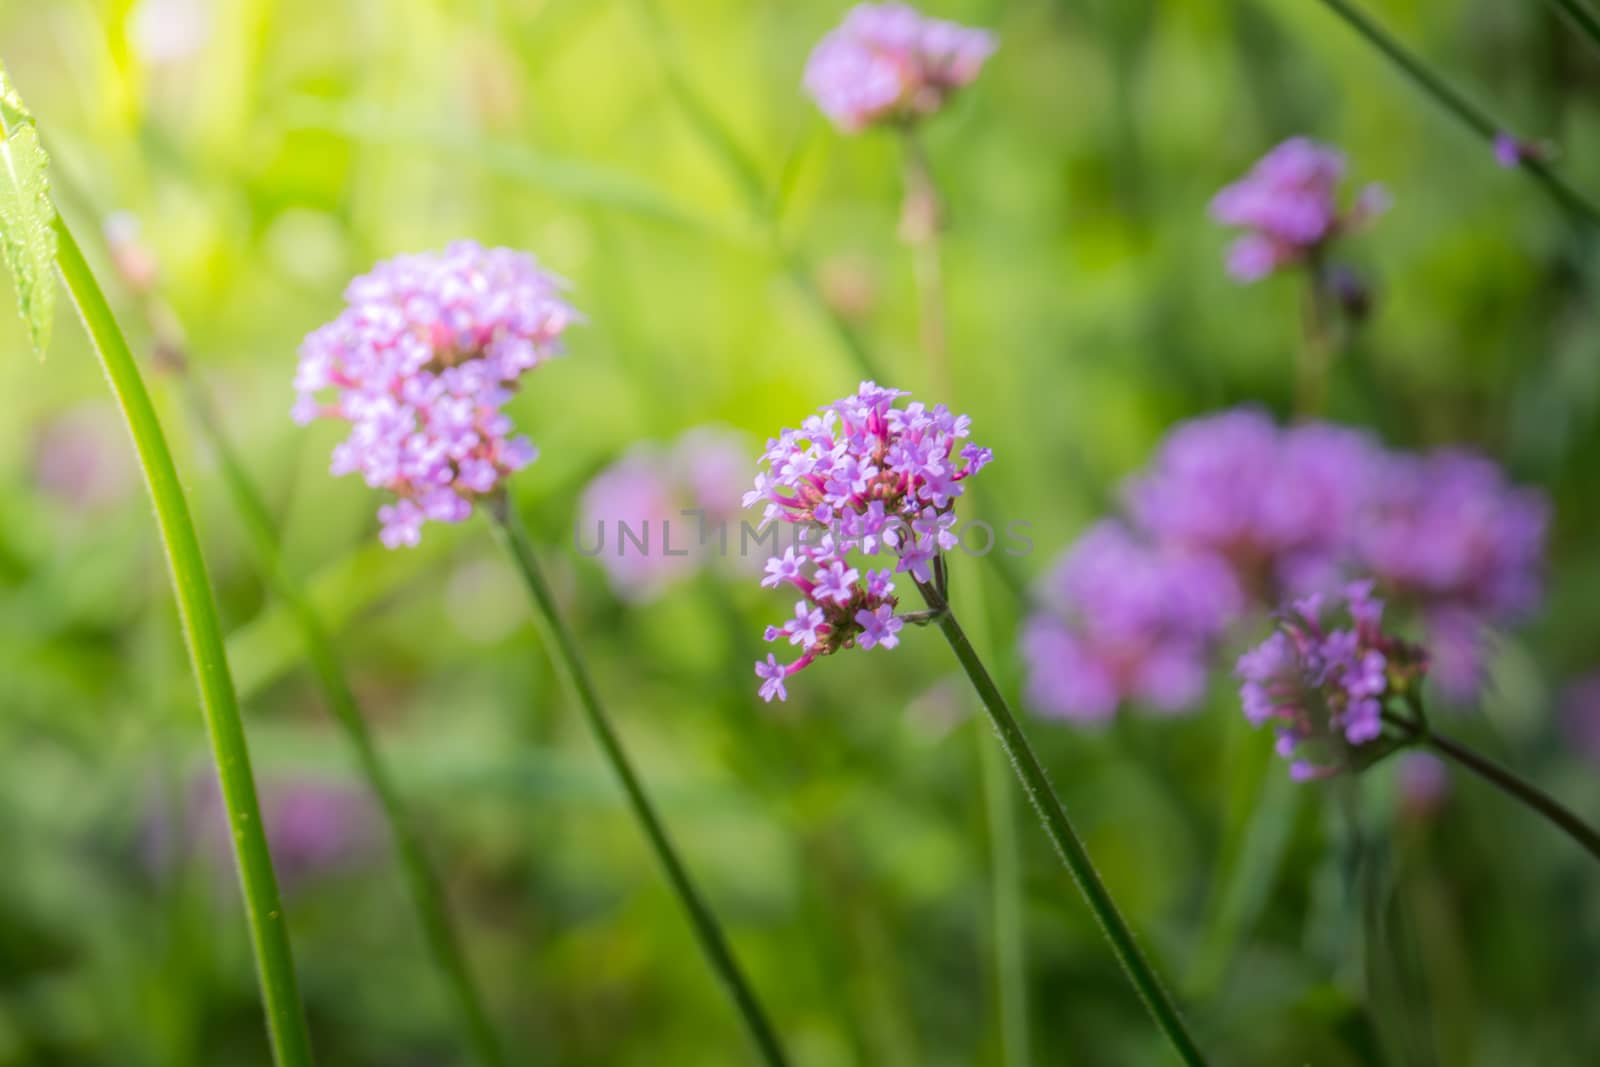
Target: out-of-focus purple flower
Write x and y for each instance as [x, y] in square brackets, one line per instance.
[80, 460]
[1449, 530]
[1324, 689]
[1580, 716]
[313, 828]
[1123, 620]
[1448, 534]
[659, 515]
[864, 475]
[1289, 207]
[1507, 151]
[890, 63]
[1278, 504]
[421, 363]
[1424, 783]
[1512, 152]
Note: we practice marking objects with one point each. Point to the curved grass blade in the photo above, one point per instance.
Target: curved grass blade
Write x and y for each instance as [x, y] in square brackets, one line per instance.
[197, 612]
[291, 1045]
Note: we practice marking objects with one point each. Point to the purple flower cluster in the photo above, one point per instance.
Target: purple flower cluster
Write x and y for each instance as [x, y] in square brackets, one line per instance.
[1289, 206]
[862, 475]
[313, 828]
[653, 512]
[1125, 620]
[1285, 512]
[1277, 504]
[421, 364]
[889, 63]
[1325, 689]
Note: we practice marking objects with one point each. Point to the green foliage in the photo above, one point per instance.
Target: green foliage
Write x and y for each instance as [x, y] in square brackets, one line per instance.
[26, 214]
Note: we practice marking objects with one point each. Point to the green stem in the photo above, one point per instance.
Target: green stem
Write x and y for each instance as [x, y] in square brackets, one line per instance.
[1036, 783]
[1011, 980]
[563, 648]
[921, 219]
[422, 881]
[291, 1045]
[1505, 779]
[1586, 21]
[1467, 113]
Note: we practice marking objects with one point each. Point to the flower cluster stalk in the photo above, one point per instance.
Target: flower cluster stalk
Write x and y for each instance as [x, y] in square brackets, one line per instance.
[563, 648]
[1036, 783]
[1464, 111]
[1417, 731]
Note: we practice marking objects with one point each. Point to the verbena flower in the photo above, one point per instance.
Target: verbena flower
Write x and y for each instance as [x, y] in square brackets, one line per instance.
[1280, 505]
[1325, 688]
[1424, 782]
[314, 828]
[862, 476]
[1448, 534]
[658, 515]
[1288, 511]
[421, 364]
[1289, 206]
[1124, 620]
[889, 63]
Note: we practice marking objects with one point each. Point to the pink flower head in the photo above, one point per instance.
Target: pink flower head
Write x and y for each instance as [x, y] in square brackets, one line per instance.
[1280, 505]
[421, 363]
[1325, 690]
[861, 475]
[658, 515]
[890, 63]
[1289, 207]
[1124, 620]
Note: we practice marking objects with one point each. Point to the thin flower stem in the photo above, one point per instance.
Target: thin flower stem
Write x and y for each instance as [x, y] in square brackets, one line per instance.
[921, 219]
[1036, 783]
[422, 880]
[291, 1045]
[1507, 780]
[1467, 113]
[1011, 965]
[1317, 349]
[921, 222]
[1587, 22]
[563, 648]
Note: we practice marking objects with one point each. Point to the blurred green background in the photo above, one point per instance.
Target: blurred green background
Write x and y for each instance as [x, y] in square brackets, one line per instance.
[660, 154]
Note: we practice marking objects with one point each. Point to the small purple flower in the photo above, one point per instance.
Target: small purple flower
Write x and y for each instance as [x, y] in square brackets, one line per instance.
[863, 475]
[772, 673]
[880, 626]
[421, 363]
[1289, 207]
[890, 63]
[1326, 689]
[1512, 152]
[836, 582]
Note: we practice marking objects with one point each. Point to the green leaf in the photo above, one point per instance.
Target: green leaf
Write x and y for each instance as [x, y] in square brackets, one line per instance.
[26, 215]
